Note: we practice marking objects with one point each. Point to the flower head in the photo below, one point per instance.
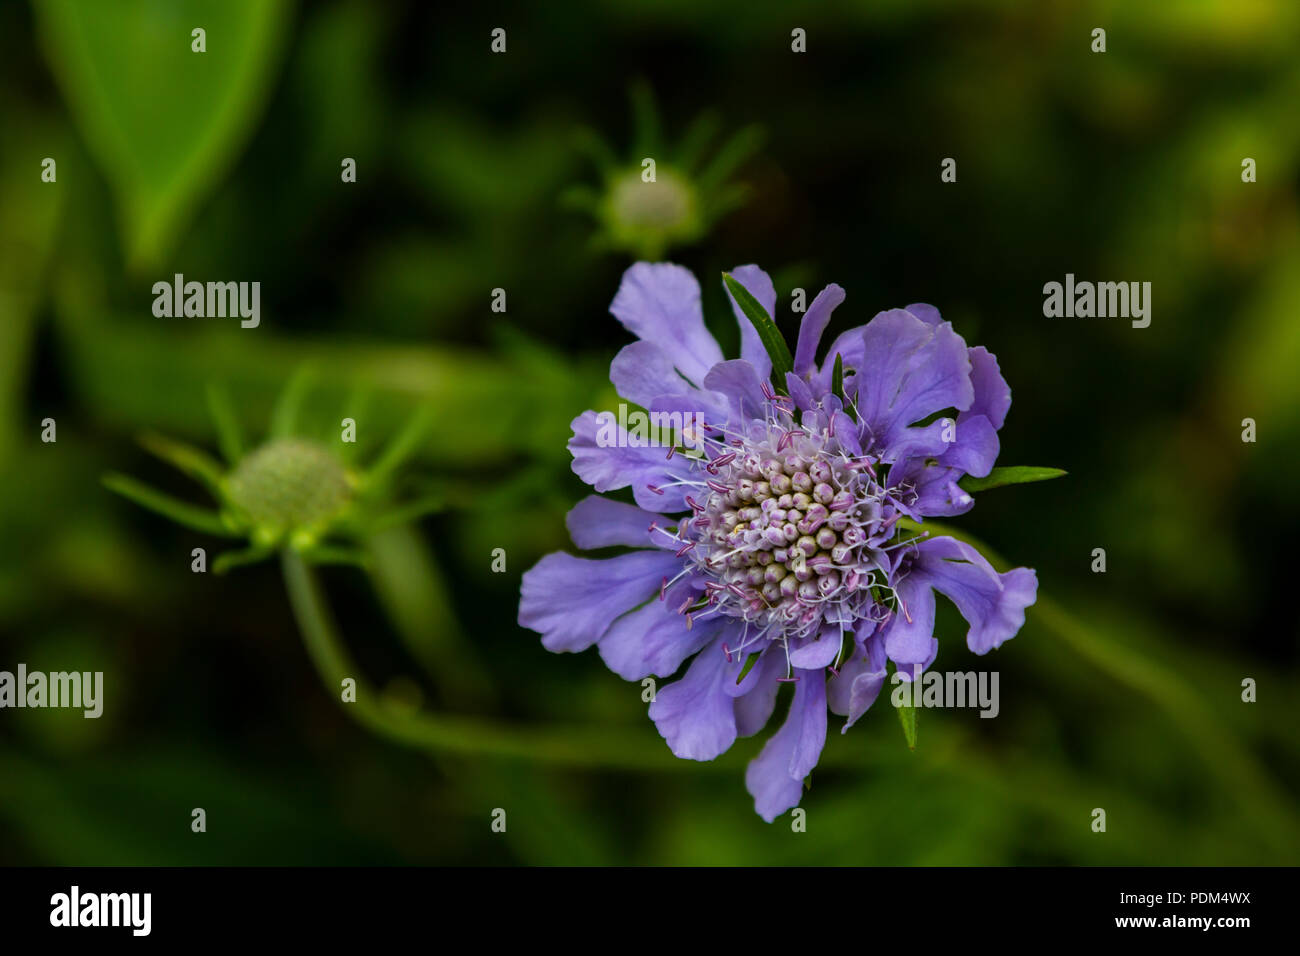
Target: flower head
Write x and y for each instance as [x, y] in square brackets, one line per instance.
[646, 211]
[291, 492]
[784, 544]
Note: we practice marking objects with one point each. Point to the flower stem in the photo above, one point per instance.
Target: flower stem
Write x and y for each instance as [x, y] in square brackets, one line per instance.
[453, 734]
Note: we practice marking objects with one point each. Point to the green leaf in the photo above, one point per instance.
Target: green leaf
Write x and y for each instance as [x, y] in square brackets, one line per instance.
[768, 333]
[29, 220]
[164, 122]
[1013, 475]
[907, 717]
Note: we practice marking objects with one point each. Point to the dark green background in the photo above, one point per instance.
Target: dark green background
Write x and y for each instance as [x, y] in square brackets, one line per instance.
[1123, 689]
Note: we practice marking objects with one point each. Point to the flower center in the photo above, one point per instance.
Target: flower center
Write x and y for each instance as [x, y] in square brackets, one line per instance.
[290, 483]
[664, 204]
[791, 532]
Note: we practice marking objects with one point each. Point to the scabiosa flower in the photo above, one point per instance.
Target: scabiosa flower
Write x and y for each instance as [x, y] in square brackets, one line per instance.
[784, 547]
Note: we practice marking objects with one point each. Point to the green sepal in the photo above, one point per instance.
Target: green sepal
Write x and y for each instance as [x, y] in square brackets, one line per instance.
[846, 650]
[229, 438]
[749, 665]
[907, 717]
[288, 405]
[768, 333]
[837, 387]
[228, 560]
[186, 515]
[195, 462]
[433, 503]
[402, 446]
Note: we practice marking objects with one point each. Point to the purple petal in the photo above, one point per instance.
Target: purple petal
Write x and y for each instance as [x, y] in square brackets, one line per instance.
[610, 468]
[660, 303]
[572, 601]
[937, 492]
[775, 777]
[993, 604]
[597, 522]
[849, 346]
[799, 391]
[855, 688]
[819, 650]
[921, 441]
[848, 433]
[754, 707]
[926, 313]
[992, 394]
[909, 634]
[910, 371]
[642, 372]
[813, 325]
[694, 714]
[975, 447]
[739, 382]
[655, 639]
[759, 285]
[714, 408]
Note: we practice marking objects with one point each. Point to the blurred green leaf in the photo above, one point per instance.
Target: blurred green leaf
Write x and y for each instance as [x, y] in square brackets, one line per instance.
[29, 219]
[165, 122]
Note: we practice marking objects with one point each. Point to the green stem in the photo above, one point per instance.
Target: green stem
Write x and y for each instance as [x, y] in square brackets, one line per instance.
[448, 734]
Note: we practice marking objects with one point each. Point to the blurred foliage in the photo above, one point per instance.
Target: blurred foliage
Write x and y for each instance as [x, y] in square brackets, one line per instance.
[161, 151]
[665, 195]
[1123, 690]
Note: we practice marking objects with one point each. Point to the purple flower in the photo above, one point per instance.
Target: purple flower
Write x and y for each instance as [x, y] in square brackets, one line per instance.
[772, 548]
